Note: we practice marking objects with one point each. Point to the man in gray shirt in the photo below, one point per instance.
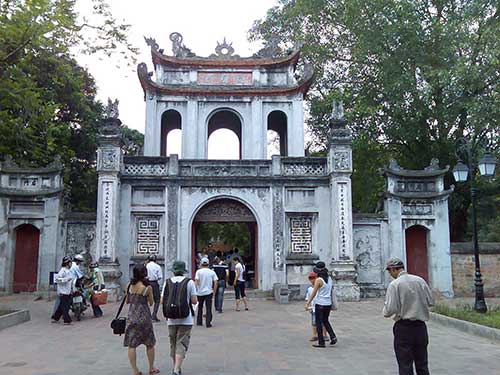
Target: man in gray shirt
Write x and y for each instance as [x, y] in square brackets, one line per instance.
[408, 299]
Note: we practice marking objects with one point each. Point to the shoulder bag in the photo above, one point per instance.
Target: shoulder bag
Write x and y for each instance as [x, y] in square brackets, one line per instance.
[119, 323]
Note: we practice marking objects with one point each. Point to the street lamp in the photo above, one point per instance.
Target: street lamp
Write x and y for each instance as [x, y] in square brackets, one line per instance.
[486, 168]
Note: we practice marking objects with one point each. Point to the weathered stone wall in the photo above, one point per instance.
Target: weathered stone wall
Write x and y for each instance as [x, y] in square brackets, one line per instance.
[463, 266]
[78, 235]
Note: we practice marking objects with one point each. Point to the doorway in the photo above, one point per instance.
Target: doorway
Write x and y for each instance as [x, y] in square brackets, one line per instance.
[220, 227]
[416, 251]
[26, 259]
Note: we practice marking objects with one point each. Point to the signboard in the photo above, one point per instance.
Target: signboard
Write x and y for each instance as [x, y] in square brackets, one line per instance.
[225, 78]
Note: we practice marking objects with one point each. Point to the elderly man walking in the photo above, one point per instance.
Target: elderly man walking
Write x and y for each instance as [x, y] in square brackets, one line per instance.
[408, 299]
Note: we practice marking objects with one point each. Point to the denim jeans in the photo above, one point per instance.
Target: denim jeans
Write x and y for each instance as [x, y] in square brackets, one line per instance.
[219, 296]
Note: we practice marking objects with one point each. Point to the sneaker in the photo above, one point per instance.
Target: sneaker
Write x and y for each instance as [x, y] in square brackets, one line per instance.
[319, 346]
[333, 341]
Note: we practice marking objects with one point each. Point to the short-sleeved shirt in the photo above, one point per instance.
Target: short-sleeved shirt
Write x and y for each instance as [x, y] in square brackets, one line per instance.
[205, 277]
[191, 291]
[220, 270]
[308, 294]
[240, 267]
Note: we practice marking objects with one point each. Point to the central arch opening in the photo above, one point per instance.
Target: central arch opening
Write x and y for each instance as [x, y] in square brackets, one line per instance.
[219, 228]
[224, 135]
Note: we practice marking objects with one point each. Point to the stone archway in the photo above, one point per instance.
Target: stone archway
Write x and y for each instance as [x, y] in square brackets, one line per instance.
[225, 211]
[225, 119]
[26, 259]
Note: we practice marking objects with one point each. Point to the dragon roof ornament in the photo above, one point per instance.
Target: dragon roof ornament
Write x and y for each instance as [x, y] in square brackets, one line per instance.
[178, 48]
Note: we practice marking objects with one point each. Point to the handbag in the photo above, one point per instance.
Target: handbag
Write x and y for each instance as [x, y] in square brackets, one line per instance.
[100, 297]
[119, 323]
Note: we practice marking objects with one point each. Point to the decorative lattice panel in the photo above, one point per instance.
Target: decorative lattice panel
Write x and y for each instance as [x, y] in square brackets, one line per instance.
[145, 170]
[298, 169]
[148, 235]
[301, 234]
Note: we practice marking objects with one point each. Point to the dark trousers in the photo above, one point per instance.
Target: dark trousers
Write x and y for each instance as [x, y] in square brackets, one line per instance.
[410, 346]
[63, 308]
[156, 297]
[207, 300]
[219, 296]
[322, 314]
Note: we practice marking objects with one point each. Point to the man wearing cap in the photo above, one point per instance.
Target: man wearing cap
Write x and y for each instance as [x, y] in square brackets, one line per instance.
[154, 277]
[179, 330]
[206, 285]
[408, 299]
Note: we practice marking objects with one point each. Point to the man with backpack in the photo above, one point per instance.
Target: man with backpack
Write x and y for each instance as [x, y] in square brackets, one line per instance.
[179, 294]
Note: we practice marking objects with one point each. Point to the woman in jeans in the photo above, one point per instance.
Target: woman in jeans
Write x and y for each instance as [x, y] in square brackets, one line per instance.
[222, 271]
[322, 293]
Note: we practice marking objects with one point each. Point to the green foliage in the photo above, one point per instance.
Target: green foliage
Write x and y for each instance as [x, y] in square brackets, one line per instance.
[467, 312]
[414, 75]
[47, 101]
[233, 234]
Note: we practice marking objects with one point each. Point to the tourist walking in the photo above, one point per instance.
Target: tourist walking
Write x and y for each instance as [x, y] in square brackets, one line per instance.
[139, 329]
[239, 283]
[155, 276]
[312, 278]
[206, 285]
[64, 280]
[222, 271]
[177, 308]
[408, 299]
[97, 285]
[322, 294]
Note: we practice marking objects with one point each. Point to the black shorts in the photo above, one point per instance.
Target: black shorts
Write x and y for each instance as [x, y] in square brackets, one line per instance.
[239, 290]
[156, 291]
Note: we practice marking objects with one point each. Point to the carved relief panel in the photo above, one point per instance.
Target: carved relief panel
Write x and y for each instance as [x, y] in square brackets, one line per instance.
[301, 234]
[147, 234]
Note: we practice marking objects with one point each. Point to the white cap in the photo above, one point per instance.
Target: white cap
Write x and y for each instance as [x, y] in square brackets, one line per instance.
[205, 261]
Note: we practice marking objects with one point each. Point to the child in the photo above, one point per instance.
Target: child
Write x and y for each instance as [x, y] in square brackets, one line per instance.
[312, 278]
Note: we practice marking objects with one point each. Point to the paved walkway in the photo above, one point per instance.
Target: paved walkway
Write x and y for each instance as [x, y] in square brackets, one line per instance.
[268, 339]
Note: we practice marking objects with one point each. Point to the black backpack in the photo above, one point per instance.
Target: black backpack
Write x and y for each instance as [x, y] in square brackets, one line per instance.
[175, 300]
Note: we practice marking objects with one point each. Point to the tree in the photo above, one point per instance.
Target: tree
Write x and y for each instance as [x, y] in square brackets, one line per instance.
[47, 101]
[415, 75]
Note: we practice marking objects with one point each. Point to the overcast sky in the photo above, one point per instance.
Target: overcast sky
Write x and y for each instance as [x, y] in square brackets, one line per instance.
[201, 22]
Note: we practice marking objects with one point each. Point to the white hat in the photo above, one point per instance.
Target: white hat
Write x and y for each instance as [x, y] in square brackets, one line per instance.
[205, 261]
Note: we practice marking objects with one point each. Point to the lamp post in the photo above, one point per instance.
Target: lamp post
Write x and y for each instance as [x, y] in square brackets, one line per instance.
[461, 171]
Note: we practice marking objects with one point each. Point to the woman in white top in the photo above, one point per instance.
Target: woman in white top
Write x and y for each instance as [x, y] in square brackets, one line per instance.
[239, 284]
[322, 295]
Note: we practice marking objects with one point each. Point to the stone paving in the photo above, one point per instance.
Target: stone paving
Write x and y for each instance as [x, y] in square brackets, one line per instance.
[268, 339]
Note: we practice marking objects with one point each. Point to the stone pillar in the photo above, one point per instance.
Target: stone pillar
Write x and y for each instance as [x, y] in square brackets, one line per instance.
[151, 142]
[340, 169]
[109, 161]
[296, 130]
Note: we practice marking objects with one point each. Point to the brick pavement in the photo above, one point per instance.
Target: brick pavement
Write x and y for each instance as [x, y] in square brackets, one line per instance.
[269, 339]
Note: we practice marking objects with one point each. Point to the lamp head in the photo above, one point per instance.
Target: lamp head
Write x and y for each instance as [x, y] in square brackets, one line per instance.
[487, 165]
[460, 172]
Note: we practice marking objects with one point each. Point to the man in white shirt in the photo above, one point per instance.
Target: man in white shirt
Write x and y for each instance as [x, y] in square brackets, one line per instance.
[63, 280]
[408, 299]
[155, 276]
[179, 330]
[206, 285]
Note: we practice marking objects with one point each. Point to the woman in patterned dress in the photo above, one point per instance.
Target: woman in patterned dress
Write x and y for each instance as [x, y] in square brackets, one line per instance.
[139, 329]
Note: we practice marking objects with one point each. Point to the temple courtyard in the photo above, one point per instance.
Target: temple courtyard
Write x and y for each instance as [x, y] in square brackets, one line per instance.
[268, 339]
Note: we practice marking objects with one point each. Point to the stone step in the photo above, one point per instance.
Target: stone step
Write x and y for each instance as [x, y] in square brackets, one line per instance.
[251, 293]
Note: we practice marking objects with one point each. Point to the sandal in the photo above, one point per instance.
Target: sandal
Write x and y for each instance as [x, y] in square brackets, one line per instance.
[154, 371]
[238, 310]
[246, 308]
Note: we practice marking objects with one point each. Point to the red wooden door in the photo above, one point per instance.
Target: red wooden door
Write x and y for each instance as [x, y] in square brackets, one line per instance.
[26, 259]
[416, 252]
